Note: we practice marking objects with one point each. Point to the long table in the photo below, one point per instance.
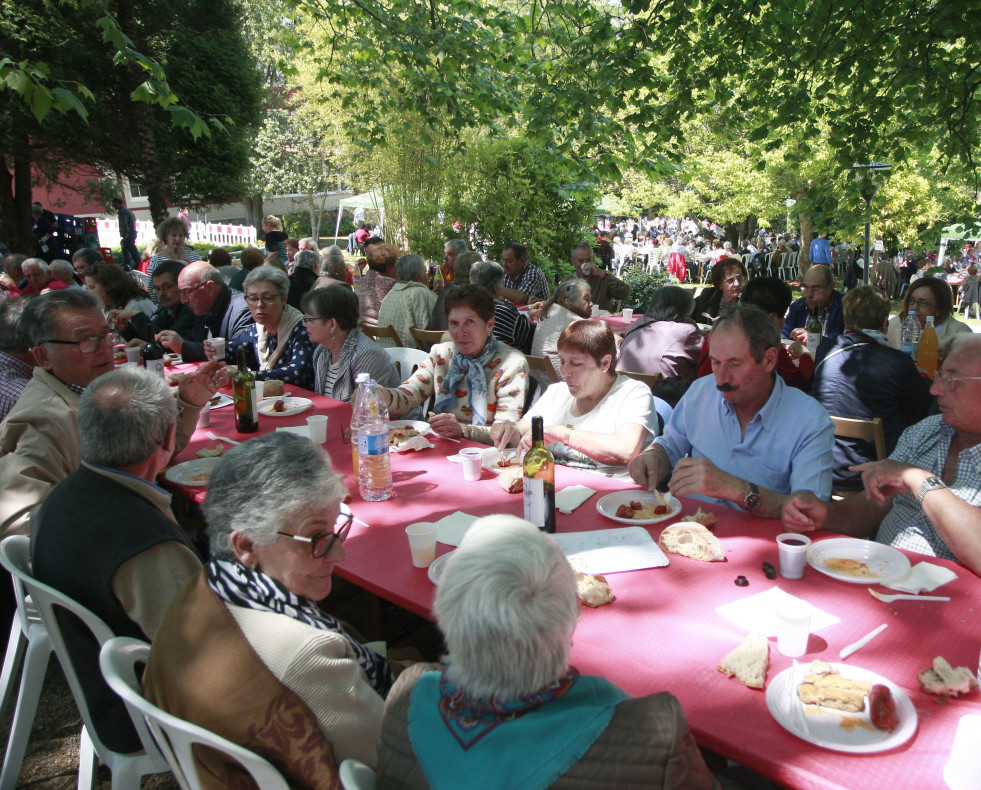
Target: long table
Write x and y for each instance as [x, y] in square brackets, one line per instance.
[663, 631]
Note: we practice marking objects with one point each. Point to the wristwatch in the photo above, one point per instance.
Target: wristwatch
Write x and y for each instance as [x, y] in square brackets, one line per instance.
[752, 500]
[932, 483]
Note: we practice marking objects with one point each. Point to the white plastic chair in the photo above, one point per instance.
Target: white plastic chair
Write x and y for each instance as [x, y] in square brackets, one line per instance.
[174, 737]
[29, 646]
[142, 279]
[355, 775]
[126, 768]
[406, 359]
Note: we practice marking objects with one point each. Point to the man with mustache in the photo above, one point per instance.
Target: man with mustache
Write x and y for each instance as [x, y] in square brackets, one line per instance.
[743, 438]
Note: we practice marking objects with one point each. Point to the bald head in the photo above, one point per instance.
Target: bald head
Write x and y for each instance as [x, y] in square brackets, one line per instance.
[200, 285]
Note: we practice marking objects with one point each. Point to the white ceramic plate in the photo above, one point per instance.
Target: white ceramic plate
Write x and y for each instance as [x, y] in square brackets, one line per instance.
[192, 473]
[436, 569]
[293, 406]
[609, 504]
[836, 729]
[492, 457]
[223, 400]
[857, 561]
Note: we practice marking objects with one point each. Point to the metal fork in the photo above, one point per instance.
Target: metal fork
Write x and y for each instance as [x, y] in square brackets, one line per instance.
[905, 597]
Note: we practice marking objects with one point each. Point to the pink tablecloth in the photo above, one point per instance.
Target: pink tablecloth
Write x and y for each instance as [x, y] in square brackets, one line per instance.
[663, 631]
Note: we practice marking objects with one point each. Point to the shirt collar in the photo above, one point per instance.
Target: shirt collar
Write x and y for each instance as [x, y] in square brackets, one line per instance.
[768, 413]
[157, 496]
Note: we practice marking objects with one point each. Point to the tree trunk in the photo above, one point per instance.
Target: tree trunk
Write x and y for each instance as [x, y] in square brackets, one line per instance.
[804, 259]
[15, 201]
[737, 231]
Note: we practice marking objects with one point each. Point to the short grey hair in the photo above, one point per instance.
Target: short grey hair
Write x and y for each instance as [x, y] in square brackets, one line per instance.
[409, 267]
[488, 274]
[12, 337]
[457, 244]
[259, 486]
[332, 256]
[41, 264]
[755, 324]
[124, 417]
[565, 292]
[307, 259]
[63, 270]
[39, 321]
[268, 274]
[507, 607]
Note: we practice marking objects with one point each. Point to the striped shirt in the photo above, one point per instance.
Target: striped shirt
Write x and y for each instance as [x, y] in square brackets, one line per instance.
[512, 327]
[336, 380]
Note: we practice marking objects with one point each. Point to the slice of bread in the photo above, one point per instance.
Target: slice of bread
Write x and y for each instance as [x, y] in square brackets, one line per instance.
[831, 690]
[943, 679]
[691, 540]
[749, 661]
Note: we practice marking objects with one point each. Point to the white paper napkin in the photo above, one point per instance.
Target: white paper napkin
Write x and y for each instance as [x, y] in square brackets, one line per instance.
[611, 550]
[571, 497]
[922, 577]
[451, 529]
[415, 443]
[758, 613]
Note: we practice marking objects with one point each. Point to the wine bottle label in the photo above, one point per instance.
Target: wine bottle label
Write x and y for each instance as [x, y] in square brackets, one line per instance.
[253, 404]
[535, 501]
[155, 366]
[372, 444]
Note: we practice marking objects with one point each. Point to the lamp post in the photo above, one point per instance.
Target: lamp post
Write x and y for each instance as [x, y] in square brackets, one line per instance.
[865, 176]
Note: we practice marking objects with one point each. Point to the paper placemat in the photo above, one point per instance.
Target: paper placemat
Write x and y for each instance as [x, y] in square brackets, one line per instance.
[611, 550]
[451, 529]
[758, 613]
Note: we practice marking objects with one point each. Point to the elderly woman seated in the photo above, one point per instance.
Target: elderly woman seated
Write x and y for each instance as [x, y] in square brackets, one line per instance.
[666, 341]
[477, 380]
[728, 278]
[596, 418]
[570, 301]
[243, 649]
[279, 345]
[508, 710]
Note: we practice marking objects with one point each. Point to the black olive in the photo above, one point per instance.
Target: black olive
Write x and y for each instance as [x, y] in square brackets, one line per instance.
[769, 571]
[742, 581]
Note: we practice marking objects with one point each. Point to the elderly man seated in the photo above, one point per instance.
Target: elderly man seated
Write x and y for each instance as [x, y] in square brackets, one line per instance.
[409, 303]
[105, 535]
[40, 278]
[926, 496]
[507, 710]
[819, 297]
[224, 310]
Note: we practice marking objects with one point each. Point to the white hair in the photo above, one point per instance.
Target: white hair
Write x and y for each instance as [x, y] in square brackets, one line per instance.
[507, 607]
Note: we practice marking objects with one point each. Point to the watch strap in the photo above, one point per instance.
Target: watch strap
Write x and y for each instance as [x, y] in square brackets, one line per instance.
[932, 483]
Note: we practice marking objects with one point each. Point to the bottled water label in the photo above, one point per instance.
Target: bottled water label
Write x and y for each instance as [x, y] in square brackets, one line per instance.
[372, 443]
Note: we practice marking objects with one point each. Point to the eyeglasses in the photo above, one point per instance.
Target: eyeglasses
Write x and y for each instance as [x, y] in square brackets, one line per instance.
[916, 304]
[949, 381]
[320, 545]
[814, 287]
[88, 345]
[266, 299]
[309, 319]
[187, 291]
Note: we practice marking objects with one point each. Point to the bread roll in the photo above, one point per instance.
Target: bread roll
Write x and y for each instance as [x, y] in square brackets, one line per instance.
[594, 590]
[943, 679]
[273, 388]
[749, 661]
[511, 480]
[691, 540]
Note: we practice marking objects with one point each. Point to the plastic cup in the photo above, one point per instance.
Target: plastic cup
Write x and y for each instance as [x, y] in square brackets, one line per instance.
[793, 627]
[133, 354]
[218, 344]
[259, 386]
[422, 543]
[472, 458]
[594, 311]
[317, 425]
[963, 769]
[793, 554]
[628, 314]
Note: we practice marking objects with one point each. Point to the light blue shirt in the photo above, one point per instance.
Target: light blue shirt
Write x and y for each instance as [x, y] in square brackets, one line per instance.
[787, 447]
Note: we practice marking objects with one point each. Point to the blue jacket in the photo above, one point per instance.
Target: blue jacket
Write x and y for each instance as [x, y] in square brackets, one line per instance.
[834, 323]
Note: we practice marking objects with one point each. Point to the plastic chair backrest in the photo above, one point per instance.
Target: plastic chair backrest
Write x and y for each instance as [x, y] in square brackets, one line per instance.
[355, 775]
[406, 360]
[175, 737]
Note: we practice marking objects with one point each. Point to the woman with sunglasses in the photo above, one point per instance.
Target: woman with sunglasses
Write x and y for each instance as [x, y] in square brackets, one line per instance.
[243, 649]
[280, 346]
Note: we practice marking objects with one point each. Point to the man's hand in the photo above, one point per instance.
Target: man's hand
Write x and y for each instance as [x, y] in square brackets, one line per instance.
[197, 388]
[535, 311]
[701, 476]
[800, 333]
[804, 512]
[119, 318]
[649, 468]
[446, 425]
[887, 478]
[168, 338]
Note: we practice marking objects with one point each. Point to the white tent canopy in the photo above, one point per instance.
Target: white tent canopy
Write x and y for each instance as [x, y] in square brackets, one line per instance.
[372, 200]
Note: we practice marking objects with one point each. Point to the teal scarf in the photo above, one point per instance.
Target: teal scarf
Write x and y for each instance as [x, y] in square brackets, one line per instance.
[473, 369]
[523, 745]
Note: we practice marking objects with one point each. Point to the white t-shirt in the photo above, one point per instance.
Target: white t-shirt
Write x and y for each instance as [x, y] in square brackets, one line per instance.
[629, 402]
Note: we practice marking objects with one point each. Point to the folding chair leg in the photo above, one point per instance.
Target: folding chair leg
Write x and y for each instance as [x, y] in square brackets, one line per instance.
[31, 681]
[88, 762]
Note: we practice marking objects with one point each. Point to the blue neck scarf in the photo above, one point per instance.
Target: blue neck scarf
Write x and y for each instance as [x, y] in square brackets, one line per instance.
[471, 368]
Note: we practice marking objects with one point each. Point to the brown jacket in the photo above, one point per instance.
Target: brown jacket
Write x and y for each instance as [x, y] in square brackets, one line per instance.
[646, 745]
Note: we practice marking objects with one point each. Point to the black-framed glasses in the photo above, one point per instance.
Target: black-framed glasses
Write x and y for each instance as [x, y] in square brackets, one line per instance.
[309, 319]
[916, 304]
[950, 381]
[266, 299]
[320, 545]
[88, 345]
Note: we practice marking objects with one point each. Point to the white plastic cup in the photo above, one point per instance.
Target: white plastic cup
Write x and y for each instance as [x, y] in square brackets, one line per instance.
[259, 386]
[628, 314]
[792, 549]
[218, 344]
[793, 626]
[133, 354]
[594, 311]
[422, 543]
[963, 768]
[317, 425]
[472, 459]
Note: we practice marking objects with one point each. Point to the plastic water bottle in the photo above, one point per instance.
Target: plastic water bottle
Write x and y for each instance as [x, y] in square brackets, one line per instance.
[374, 468]
[910, 338]
[361, 382]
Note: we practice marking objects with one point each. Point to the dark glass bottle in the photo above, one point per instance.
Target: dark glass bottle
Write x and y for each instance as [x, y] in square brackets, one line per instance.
[153, 356]
[243, 395]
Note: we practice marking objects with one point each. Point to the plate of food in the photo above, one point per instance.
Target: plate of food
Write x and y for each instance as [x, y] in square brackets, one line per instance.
[857, 561]
[192, 473]
[639, 507]
[493, 461]
[846, 708]
[437, 567]
[283, 407]
[402, 430]
[218, 400]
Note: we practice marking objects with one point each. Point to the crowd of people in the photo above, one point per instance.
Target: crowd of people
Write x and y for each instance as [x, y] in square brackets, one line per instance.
[739, 415]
